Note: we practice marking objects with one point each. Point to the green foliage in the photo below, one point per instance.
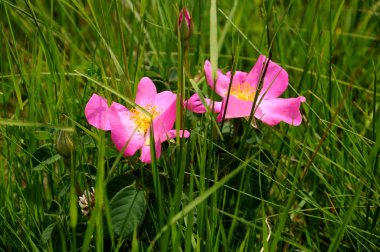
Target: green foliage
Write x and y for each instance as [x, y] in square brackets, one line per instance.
[229, 187]
[127, 211]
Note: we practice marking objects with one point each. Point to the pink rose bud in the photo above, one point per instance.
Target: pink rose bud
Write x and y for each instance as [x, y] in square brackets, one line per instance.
[184, 23]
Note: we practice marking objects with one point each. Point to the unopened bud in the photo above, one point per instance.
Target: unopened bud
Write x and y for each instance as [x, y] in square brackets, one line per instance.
[184, 24]
[64, 144]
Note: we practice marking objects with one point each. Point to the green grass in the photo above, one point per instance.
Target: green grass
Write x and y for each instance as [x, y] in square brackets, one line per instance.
[229, 187]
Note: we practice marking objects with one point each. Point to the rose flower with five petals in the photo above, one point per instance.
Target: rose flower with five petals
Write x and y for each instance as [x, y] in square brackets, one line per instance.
[270, 109]
[130, 129]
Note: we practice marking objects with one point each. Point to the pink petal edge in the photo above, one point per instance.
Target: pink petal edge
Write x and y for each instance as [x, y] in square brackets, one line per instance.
[173, 134]
[222, 81]
[239, 76]
[195, 104]
[96, 112]
[146, 92]
[275, 79]
[166, 103]
[273, 111]
[146, 156]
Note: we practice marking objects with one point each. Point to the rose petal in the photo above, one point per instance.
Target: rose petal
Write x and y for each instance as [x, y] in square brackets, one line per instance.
[96, 112]
[119, 109]
[123, 130]
[146, 92]
[275, 79]
[222, 81]
[273, 111]
[146, 156]
[239, 77]
[166, 104]
[235, 108]
[194, 104]
[214, 104]
[164, 100]
[173, 134]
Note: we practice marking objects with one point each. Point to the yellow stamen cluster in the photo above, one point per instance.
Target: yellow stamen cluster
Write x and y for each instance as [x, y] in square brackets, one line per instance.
[142, 119]
[243, 91]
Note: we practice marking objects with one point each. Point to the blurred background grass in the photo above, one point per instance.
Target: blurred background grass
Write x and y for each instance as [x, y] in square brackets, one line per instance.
[322, 178]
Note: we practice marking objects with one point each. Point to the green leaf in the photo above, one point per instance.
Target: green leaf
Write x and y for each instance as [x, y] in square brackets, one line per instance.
[88, 169]
[45, 155]
[173, 75]
[87, 141]
[117, 183]
[48, 161]
[127, 210]
[46, 235]
[42, 153]
[43, 135]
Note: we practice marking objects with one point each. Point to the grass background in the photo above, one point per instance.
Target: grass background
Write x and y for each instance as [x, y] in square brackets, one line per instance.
[319, 183]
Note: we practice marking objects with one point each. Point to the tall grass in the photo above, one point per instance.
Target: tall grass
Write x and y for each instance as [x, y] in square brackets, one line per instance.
[229, 187]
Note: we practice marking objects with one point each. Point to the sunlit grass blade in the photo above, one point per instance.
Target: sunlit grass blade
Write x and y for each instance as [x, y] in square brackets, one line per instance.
[213, 39]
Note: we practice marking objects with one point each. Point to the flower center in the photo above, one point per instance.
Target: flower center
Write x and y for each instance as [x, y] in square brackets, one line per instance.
[142, 119]
[243, 91]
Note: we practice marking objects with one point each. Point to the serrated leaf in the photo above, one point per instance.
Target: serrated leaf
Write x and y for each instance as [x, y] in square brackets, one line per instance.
[127, 210]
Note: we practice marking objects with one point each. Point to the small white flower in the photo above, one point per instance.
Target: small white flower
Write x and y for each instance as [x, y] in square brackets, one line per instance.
[87, 201]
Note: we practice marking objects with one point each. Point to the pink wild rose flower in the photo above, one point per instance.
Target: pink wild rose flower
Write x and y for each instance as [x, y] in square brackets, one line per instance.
[130, 129]
[270, 109]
